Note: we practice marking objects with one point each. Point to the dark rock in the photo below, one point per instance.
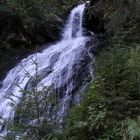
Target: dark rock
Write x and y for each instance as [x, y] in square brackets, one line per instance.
[50, 31]
[94, 24]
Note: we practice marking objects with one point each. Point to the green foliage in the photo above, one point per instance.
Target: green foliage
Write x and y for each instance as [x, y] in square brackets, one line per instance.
[110, 109]
[121, 18]
[132, 129]
[35, 113]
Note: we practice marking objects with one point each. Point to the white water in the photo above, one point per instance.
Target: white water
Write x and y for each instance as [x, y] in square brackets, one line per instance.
[74, 28]
[55, 66]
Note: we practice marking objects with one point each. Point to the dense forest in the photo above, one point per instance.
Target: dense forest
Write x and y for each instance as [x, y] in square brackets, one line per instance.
[110, 107]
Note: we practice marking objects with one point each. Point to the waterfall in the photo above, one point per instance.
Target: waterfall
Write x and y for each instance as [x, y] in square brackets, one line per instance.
[74, 28]
[65, 66]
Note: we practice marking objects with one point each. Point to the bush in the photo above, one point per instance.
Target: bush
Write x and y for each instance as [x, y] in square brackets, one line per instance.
[110, 108]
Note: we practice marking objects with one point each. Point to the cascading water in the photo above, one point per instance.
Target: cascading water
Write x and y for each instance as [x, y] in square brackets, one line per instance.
[65, 66]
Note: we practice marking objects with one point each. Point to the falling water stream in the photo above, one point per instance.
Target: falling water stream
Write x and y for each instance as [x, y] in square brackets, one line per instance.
[65, 65]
